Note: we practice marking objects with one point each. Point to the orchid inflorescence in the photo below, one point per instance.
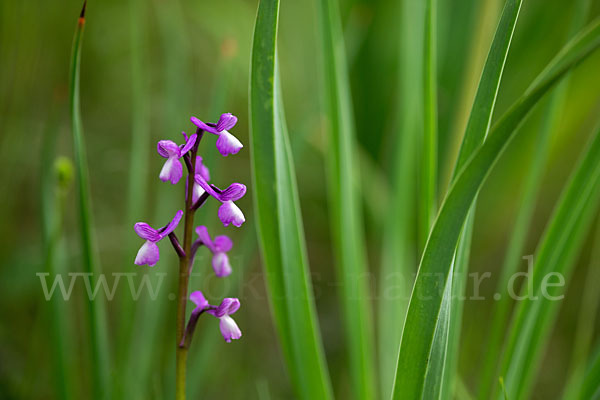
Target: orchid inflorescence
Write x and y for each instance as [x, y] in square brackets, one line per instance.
[228, 213]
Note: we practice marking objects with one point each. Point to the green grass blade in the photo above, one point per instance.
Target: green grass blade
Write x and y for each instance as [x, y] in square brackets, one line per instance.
[399, 258]
[426, 299]
[344, 203]
[54, 186]
[556, 252]
[278, 217]
[476, 131]
[532, 183]
[584, 330]
[590, 387]
[428, 163]
[97, 315]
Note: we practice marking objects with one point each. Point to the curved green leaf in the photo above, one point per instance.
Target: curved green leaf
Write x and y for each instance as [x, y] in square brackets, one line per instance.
[426, 299]
[476, 131]
[279, 222]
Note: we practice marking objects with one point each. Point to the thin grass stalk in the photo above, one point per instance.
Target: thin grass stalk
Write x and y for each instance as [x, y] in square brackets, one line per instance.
[590, 387]
[100, 360]
[584, 330]
[523, 219]
[428, 153]
[344, 203]
[53, 191]
[399, 258]
[557, 251]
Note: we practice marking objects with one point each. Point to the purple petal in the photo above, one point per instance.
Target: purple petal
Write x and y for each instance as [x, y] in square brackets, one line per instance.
[188, 144]
[223, 243]
[229, 329]
[172, 225]
[172, 171]
[147, 254]
[228, 306]
[201, 169]
[167, 149]
[228, 144]
[203, 126]
[226, 122]
[205, 237]
[221, 266]
[145, 231]
[234, 192]
[200, 181]
[229, 213]
[198, 298]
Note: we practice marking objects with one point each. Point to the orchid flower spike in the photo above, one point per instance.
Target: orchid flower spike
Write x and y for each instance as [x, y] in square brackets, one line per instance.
[148, 253]
[203, 171]
[226, 143]
[229, 328]
[228, 213]
[173, 170]
[219, 248]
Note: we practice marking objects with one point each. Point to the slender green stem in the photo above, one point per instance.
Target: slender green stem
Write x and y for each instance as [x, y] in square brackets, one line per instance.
[184, 277]
[428, 174]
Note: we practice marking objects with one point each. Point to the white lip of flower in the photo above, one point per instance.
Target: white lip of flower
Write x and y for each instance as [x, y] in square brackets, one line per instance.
[198, 191]
[229, 328]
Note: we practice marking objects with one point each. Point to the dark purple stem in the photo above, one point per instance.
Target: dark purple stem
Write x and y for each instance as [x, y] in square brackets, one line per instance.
[176, 245]
[200, 201]
[188, 163]
[186, 340]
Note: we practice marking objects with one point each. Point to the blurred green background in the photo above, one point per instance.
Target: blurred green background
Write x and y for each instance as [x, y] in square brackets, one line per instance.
[194, 60]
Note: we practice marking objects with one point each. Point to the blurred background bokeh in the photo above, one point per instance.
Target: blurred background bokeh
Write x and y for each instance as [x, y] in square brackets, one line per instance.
[194, 60]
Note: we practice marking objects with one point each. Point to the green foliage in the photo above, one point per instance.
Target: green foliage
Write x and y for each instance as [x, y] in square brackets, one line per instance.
[278, 215]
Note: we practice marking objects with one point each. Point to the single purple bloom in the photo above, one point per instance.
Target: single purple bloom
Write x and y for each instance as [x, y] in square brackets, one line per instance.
[148, 254]
[226, 143]
[228, 213]
[229, 328]
[219, 248]
[173, 170]
[203, 171]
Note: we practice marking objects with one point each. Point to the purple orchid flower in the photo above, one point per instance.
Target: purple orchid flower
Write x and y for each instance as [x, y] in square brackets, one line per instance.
[226, 143]
[219, 248]
[148, 254]
[228, 213]
[173, 170]
[203, 171]
[229, 328]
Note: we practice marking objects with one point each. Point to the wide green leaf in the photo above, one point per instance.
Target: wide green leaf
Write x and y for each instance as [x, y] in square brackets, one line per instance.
[344, 203]
[278, 216]
[426, 300]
